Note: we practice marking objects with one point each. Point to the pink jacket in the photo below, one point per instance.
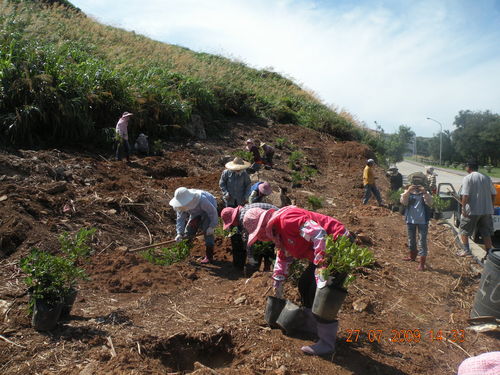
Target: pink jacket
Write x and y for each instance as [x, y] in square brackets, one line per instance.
[300, 234]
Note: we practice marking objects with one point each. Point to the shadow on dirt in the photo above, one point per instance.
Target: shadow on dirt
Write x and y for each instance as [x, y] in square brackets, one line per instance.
[361, 364]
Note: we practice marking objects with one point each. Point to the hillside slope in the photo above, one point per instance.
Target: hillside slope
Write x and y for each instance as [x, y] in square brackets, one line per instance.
[133, 317]
[66, 78]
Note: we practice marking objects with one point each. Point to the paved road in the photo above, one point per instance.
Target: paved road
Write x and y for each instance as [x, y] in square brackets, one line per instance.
[443, 175]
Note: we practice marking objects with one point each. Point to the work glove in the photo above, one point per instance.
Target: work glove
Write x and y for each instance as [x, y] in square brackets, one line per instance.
[209, 231]
[321, 281]
[179, 238]
[278, 288]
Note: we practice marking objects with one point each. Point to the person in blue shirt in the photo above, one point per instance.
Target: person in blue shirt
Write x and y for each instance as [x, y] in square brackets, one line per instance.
[417, 201]
[259, 191]
[196, 210]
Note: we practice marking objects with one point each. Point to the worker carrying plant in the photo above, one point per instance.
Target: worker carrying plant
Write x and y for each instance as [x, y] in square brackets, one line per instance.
[233, 218]
[301, 234]
[196, 210]
[235, 183]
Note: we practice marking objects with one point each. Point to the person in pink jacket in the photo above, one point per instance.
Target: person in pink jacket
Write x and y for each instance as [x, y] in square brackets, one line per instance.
[299, 234]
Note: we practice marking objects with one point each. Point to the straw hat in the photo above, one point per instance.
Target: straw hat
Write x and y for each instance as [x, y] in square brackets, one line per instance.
[229, 216]
[238, 164]
[265, 188]
[255, 222]
[185, 198]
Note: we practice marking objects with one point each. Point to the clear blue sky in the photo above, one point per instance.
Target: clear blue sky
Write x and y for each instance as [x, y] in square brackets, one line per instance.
[394, 62]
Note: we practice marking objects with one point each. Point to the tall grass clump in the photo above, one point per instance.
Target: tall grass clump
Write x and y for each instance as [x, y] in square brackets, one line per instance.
[65, 77]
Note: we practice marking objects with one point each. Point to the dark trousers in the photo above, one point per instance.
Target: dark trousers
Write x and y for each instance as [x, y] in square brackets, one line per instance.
[122, 144]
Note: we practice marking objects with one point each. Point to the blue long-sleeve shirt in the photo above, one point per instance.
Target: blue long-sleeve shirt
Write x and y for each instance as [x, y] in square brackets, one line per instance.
[207, 205]
[237, 185]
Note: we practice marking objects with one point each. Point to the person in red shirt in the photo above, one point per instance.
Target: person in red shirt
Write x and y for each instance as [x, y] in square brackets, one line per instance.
[299, 234]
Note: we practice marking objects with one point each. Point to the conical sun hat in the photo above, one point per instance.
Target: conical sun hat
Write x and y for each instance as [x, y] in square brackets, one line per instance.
[237, 164]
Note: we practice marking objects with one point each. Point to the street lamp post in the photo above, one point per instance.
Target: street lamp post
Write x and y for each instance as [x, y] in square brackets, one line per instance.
[440, 137]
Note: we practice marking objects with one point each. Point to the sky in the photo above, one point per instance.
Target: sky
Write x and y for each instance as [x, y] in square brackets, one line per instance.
[387, 62]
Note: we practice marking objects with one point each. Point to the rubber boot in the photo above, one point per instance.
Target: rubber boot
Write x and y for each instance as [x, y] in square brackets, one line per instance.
[209, 250]
[310, 324]
[411, 256]
[327, 333]
[421, 266]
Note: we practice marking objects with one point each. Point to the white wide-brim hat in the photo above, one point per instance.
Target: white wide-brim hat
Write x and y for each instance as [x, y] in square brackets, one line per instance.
[238, 164]
[185, 198]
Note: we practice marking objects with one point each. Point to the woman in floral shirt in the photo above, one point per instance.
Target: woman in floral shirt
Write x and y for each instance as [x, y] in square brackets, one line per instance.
[299, 234]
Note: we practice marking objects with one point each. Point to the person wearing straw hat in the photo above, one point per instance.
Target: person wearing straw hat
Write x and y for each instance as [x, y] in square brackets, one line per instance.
[235, 183]
[299, 234]
[233, 218]
[122, 136]
[259, 191]
[196, 210]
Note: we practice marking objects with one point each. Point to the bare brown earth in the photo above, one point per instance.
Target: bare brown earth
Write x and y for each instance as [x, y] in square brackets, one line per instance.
[133, 317]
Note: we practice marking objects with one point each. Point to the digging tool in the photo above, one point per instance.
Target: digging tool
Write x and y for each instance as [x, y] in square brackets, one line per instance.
[157, 244]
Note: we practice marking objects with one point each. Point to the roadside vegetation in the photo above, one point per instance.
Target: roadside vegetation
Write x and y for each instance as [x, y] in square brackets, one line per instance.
[66, 78]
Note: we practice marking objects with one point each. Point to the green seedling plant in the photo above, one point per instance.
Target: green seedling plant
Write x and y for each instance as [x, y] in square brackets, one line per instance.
[439, 204]
[343, 258]
[315, 202]
[297, 178]
[280, 142]
[263, 248]
[294, 158]
[245, 155]
[394, 196]
[167, 256]
[49, 277]
[77, 247]
[310, 172]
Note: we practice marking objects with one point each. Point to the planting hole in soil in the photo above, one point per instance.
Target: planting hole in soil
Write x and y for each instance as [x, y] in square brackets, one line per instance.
[180, 352]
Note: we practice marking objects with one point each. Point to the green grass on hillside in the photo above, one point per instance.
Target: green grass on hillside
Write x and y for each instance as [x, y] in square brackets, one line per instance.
[65, 78]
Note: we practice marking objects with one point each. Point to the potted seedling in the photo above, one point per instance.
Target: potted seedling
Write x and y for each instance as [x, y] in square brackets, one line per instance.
[47, 285]
[438, 206]
[77, 249]
[342, 258]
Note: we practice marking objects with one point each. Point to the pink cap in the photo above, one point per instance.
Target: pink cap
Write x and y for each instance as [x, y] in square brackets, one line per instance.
[229, 216]
[265, 188]
[255, 222]
[483, 364]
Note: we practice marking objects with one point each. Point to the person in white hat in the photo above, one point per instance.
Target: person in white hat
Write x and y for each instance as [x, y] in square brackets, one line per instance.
[196, 210]
[235, 183]
[369, 183]
[122, 136]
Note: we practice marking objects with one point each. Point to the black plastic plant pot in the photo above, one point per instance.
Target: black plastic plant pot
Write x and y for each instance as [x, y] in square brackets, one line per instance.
[68, 302]
[328, 301]
[291, 318]
[274, 306]
[45, 316]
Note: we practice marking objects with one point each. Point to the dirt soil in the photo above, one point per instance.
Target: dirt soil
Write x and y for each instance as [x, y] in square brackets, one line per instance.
[133, 317]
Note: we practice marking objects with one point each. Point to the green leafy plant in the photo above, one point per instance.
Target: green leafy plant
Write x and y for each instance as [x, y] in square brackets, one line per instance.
[245, 155]
[157, 147]
[262, 247]
[168, 255]
[49, 277]
[314, 202]
[394, 196]
[297, 178]
[310, 172]
[77, 247]
[294, 158]
[343, 258]
[280, 142]
[439, 204]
